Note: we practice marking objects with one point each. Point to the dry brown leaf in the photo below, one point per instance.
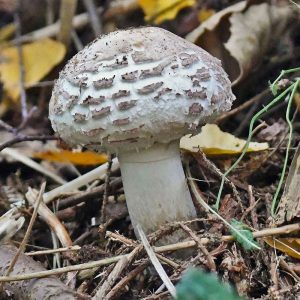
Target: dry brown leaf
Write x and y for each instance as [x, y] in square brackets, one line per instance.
[289, 204]
[158, 11]
[241, 34]
[289, 246]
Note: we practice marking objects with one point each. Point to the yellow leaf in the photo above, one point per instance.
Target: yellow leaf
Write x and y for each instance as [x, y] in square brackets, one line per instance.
[7, 31]
[205, 14]
[213, 141]
[158, 11]
[77, 158]
[290, 246]
[39, 58]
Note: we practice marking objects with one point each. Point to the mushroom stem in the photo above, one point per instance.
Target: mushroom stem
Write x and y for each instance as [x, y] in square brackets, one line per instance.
[155, 187]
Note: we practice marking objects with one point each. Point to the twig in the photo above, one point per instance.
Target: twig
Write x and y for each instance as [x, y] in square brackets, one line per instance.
[210, 261]
[106, 190]
[78, 22]
[85, 196]
[21, 65]
[7, 126]
[52, 251]
[157, 265]
[29, 229]
[94, 18]
[211, 166]
[172, 247]
[16, 155]
[117, 289]
[251, 208]
[25, 138]
[256, 98]
[49, 217]
[98, 173]
[67, 11]
[26, 120]
[113, 276]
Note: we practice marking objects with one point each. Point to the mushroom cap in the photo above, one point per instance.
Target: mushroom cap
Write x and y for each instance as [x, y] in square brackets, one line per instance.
[132, 88]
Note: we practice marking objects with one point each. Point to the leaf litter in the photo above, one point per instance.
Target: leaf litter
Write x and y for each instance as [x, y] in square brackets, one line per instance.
[249, 37]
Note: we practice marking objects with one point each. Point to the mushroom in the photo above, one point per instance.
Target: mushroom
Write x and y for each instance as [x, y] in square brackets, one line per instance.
[135, 93]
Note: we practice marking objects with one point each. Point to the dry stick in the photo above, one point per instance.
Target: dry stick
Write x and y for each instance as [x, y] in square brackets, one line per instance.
[26, 138]
[16, 155]
[252, 205]
[157, 265]
[243, 106]
[217, 171]
[112, 277]
[117, 289]
[131, 243]
[29, 229]
[49, 217]
[26, 120]
[7, 126]
[106, 189]
[210, 261]
[52, 251]
[21, 65]
[94, 19]
[67, 11]
[85, 196]
[97, 173]
[167, 248]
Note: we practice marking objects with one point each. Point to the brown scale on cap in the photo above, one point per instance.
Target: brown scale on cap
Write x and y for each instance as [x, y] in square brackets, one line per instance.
[126, 104]
[92, 132]
[131, 76]
[150, 88]
[103, 83]
[99, 113]
[196, 94]
[129, 140]
[162, 92]
[201, 75]
[91, 100]
[120, 122]
[79, 118]
[195, 109]
[156, 71]
[188, 59]
[120, 94]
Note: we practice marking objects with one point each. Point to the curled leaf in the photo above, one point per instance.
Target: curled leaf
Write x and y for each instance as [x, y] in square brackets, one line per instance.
[241, 34]
[158, 11]
[213, 141]
[289, 246]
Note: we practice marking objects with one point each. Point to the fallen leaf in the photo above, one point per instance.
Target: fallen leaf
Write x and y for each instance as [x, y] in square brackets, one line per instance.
[204, 14]
[289, 204]
[241, 34]
[289, 246]
[7, 31]
[157, 11]
[213, 141]
[76, 158]
[39, 58]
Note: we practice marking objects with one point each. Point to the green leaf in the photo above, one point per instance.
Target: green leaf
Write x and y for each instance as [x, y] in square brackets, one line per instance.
[198, 285]
[248, 242]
